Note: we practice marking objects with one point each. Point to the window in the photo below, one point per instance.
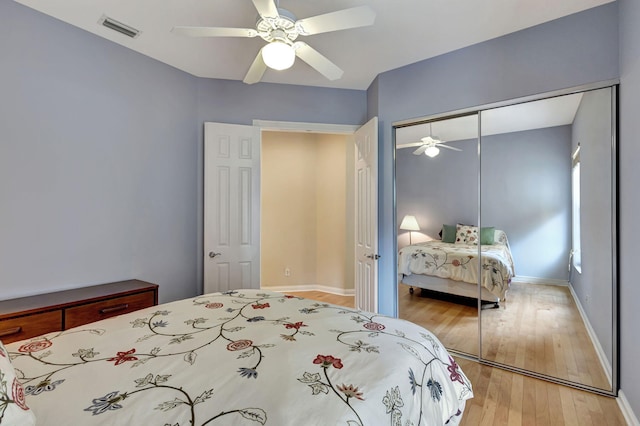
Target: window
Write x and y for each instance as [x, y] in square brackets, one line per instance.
[575, 213]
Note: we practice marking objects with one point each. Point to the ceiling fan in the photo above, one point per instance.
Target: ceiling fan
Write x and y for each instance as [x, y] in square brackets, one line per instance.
[280, 29]
[428, 145]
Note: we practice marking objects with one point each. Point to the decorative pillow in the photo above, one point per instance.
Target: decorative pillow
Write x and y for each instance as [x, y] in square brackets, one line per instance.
[466, 234]
[500, 238]
[449, 233]
[13, 407]
[487, 235]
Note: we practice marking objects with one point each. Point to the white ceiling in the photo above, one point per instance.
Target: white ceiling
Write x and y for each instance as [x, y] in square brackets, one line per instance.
[405, 31]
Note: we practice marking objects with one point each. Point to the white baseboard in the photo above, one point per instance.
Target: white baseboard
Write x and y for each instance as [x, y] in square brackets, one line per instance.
[602, 356]
[536, 280]
[312, 287]
[626, 409]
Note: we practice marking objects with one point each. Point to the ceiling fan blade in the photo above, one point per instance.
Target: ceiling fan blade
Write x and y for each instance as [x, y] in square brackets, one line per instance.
[317, 61]
[256, 71]
[408, 145]
[266, 8]
[442, 145]
[430, 139]
[334, 21]
[420, 150]
[214, 32]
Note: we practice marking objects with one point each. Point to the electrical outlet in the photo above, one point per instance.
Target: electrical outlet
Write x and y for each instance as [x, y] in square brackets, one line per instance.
[287, 272]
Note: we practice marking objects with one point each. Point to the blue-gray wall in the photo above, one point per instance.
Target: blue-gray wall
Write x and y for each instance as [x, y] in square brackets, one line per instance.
[629, 173]
[98, 150]
[526, 191]
[439, 190]
[101, 156]
[578, 49]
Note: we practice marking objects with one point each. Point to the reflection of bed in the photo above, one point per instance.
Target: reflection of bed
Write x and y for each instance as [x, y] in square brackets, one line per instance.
[452, 268]
[246, 357]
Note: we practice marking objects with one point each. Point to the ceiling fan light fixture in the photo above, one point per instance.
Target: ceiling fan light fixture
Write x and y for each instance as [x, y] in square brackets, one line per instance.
[278, 55]
[432, 151]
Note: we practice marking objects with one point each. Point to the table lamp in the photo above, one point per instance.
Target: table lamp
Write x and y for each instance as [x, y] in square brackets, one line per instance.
[409, 223]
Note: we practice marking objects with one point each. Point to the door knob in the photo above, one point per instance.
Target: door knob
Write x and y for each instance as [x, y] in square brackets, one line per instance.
[372, 256]
[212, 254]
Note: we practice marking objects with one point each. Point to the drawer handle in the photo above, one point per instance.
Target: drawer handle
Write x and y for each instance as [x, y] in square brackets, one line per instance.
[10, 331]
[116, 308]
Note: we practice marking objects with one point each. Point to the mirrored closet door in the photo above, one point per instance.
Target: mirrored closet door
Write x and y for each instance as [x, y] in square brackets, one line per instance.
[546, 179]
[436, 188]
[528, 208]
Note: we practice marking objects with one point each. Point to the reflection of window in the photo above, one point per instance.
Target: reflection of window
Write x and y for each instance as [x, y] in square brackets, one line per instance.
[575, 213]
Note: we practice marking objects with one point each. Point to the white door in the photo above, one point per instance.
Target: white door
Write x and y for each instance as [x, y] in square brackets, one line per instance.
[366, 222]
[231, 207]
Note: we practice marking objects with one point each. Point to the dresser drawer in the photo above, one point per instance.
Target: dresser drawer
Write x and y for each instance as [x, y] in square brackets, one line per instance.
[14, 329]
[96, 311]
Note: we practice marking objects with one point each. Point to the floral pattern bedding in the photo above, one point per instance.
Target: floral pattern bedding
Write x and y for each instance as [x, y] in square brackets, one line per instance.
[246, 357]
[459, 262]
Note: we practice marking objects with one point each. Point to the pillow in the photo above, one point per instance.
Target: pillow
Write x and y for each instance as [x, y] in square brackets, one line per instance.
[500, 238]
[449, 233]
[487, 235]
[13, 407]
[466, 234]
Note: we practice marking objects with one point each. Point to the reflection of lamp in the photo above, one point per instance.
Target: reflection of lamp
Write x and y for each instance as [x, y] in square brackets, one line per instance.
[409, 223]
[432, 151]
[278, 55]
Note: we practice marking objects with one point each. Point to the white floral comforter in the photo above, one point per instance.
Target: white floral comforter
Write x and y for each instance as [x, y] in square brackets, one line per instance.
[459, 262]
[245, 357]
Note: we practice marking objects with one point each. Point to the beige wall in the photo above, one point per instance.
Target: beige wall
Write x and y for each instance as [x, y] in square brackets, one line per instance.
[304, 220]
[330, 210]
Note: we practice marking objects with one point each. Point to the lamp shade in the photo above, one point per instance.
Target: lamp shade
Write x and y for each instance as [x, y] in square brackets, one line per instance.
[409, 223]
[432, 151]
[278, 55]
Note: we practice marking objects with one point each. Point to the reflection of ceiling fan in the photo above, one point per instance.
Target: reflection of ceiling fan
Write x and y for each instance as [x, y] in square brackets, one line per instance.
[280, 29]
[429, 145]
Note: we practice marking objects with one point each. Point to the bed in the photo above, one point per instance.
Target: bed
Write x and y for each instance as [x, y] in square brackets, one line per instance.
[246, 357]
[452, 267]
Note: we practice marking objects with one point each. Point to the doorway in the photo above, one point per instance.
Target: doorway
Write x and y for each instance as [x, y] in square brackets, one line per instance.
[232, 207]
[307, 212]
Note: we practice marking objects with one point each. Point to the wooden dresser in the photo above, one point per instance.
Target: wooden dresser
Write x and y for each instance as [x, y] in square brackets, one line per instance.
[31, 316]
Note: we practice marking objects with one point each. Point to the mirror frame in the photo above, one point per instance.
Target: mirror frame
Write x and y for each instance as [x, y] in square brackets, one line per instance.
[614, 86]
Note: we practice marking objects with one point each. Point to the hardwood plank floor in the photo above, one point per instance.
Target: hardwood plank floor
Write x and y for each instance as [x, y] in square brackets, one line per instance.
[455, 325]
[320, 296]
[538, 328]
[503, 398]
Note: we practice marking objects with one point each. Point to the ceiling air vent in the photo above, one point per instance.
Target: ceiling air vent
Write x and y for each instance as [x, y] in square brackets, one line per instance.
[119, 27]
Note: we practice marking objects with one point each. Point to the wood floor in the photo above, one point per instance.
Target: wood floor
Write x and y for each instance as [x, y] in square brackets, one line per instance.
[538, 329]
[454, 324]
[510, 399]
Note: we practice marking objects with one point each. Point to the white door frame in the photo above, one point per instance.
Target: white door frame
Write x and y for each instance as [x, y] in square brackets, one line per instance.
[292, 126]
